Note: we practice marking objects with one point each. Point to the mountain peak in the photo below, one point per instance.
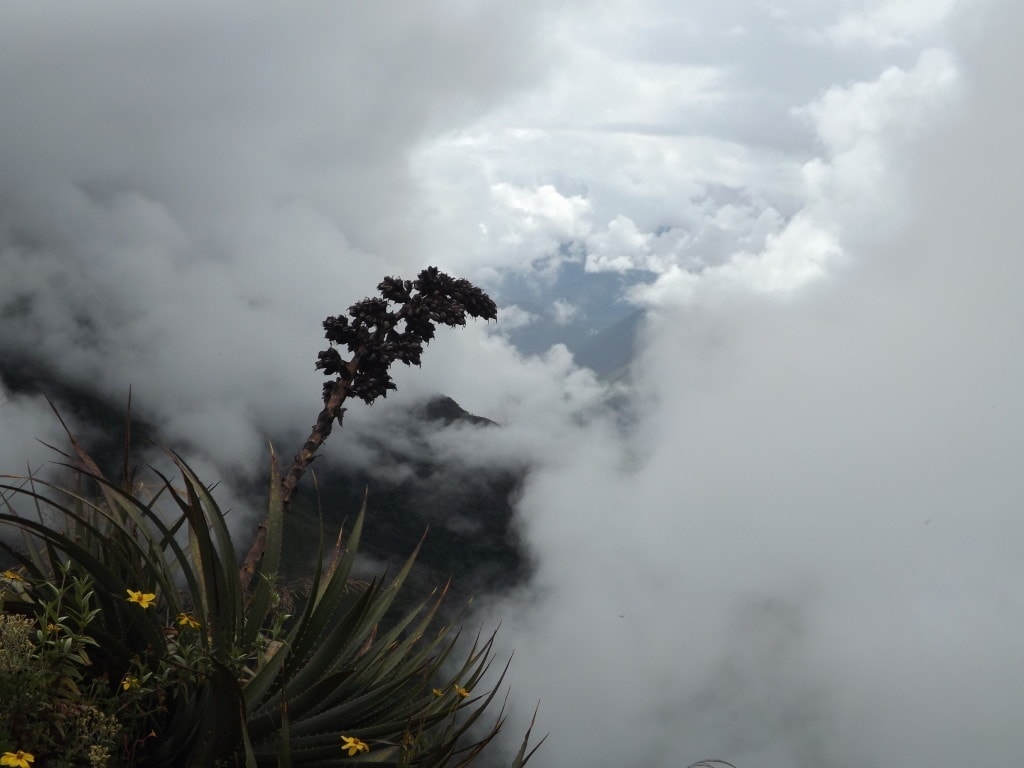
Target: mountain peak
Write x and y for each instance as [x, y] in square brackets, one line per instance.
[444, 409]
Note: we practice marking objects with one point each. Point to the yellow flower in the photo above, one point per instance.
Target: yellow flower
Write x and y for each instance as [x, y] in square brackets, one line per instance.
[17, 759]
[188, 620]
[353, 745]
[145, 599]
[461, 691]
[438, 692]
[129, 682]
[12, 576]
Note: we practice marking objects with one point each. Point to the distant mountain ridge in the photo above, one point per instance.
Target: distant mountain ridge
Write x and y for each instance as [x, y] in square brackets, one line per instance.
[575, 308]
[469, 511]
[610, 352]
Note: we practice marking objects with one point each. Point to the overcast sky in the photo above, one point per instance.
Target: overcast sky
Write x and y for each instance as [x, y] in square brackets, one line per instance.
[804, 548]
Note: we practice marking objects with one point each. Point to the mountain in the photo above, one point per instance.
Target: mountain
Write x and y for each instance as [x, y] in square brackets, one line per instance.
[609, 352]
[469, 512]
[573, 308]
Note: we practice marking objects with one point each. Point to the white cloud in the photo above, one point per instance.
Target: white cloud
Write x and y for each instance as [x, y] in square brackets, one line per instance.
[26, 422]
[513, 317]
[899, 101]
[802, 253]
[619, 247]
[889, 24]
[185, 202]
[851, 194]
[543, 216]
[563, 311]
[812, 558]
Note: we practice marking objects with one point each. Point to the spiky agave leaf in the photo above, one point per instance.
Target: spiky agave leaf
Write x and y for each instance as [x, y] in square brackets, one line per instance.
[340, 676]
[262, 597]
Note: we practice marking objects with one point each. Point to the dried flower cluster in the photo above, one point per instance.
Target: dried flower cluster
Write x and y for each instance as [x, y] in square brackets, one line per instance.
[379, 331]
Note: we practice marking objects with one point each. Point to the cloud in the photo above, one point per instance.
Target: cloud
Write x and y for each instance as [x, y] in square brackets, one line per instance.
[563, 311]
[661, 139]
[889, 24]
[26, 423]
[852, 194]
[186, 197]
[538, 221]
[809, 559]
[513, 317]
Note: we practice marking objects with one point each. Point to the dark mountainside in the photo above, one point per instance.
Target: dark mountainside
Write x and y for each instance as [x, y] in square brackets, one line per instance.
[610, 352]
[466, 513]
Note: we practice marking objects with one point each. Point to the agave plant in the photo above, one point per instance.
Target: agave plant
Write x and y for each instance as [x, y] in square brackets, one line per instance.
[203, 672]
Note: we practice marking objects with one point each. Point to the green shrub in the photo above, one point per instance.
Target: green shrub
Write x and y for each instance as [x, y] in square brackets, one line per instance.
[140, 617]
[44, 667]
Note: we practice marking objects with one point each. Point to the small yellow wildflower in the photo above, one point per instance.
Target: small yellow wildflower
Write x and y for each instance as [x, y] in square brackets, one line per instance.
[17, 759]
[144, 599]
[188, 620]
[129, 682]
[438, 692]
[12, 576]
[353, 745]
[461, 691]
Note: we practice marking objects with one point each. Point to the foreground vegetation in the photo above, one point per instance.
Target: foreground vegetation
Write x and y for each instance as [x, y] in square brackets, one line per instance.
[132, 635]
